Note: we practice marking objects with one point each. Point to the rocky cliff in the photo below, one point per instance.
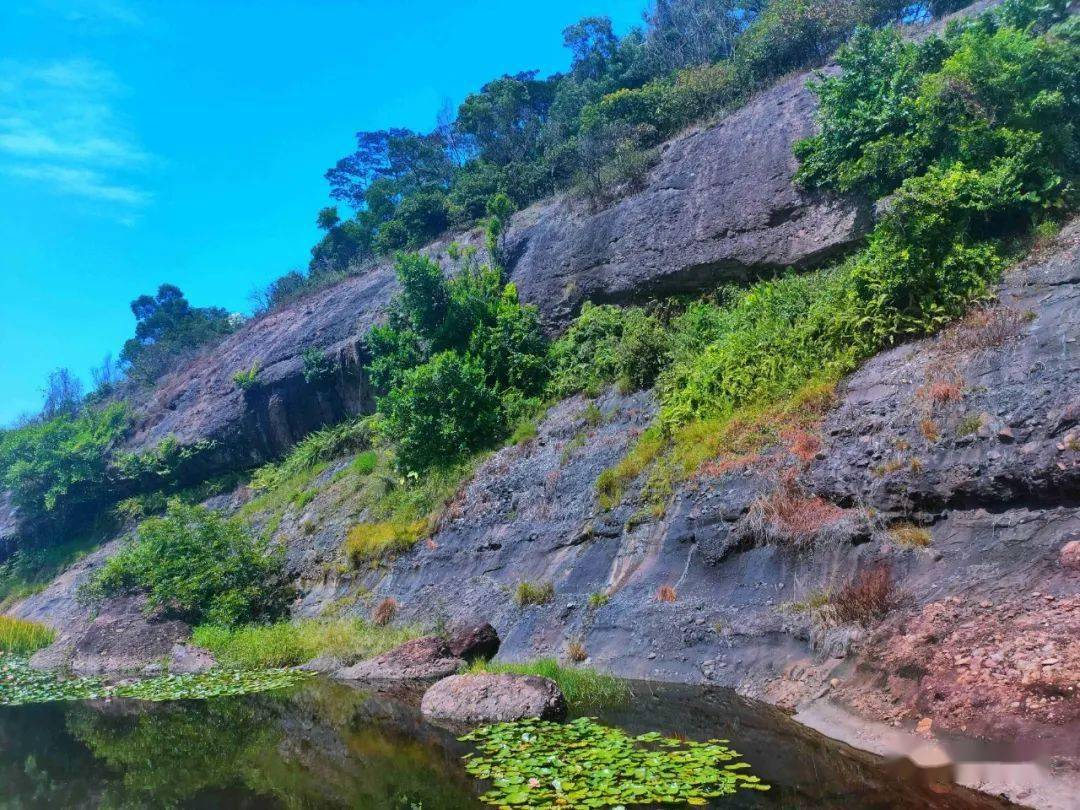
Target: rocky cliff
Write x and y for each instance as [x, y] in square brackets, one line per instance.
[952, 463]
[719, 206]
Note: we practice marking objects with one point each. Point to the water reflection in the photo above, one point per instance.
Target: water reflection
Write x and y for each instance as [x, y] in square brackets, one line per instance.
[326, 745]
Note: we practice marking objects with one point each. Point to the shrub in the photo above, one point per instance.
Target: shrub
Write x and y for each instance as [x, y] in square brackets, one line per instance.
[529, 593]
[197, 564]
[287, 644]
[319, 367]
[599, 599]
[969, 424]
[869, 595]
[576, 652]
[59, 470]
[666, 593]
[245, 379]
[441, 411]
[790, 515]
[370, 542]
[384, 612]
[23, 637]
[458, 361]
[604, 345]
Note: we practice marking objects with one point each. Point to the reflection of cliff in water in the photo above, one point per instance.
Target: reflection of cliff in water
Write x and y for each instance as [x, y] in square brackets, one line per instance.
[326, 745]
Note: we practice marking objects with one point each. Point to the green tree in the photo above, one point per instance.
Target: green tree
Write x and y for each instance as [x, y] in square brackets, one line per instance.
[167, 329]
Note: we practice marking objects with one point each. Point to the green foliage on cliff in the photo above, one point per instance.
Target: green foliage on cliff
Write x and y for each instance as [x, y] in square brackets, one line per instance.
[606, 344]
[458, 361]
[522, 137]
[168, 329]
[199, 565]
[59, 469]
[974, 135]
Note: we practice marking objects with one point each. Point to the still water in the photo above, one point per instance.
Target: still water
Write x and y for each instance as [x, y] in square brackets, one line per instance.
[324, 745]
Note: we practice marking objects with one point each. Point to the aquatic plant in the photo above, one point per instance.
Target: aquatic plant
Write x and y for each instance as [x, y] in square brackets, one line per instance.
[538, 764]
[21, 684]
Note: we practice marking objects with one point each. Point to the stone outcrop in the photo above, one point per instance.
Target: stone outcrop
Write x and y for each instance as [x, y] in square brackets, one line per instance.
[489, 698]
[706, 594]
[719, 206]
[119, 639]
[421, 659]
[474, 642]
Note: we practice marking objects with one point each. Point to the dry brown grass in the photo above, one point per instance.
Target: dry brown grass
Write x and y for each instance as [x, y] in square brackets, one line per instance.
[790, 514]
[384, 612]
[982, 328]
[929, 429]
[868, 596]
[910, 535]
[575, 651]
[665, 593]
[941, 391]
[802, 444]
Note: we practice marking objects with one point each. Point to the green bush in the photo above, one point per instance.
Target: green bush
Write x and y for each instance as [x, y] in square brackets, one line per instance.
[59, 470]
[319, 367]
[441, 411]
[606, 344]
[245, 379]
[199, 565]
[457, 362]
[973, 135]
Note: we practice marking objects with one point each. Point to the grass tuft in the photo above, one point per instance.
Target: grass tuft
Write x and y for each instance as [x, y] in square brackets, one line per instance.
[371, 542]
[585, 690]
[286, 644]
[23, 637]
[529, 593]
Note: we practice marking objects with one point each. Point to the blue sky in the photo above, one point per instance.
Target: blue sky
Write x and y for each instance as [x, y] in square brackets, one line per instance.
[143, 142]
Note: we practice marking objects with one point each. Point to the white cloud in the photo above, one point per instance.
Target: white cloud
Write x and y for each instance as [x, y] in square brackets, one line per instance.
[95, 14]
[59, 129]
[85, 183]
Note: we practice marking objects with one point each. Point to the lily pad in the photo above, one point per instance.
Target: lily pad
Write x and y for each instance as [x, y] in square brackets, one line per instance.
[538, 764]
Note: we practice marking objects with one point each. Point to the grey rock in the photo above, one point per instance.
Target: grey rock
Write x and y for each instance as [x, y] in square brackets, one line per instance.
[187, 659]
[122, 639]
[704, 217]
[424, 658]
[478, 642]
[490, 698]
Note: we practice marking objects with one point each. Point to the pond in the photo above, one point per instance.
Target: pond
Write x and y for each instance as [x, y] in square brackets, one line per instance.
[326, 745]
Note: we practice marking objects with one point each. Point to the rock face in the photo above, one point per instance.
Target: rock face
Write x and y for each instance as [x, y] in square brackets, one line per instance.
[420, 659]
[486, 698]
[706, 593]
[477, 642]
[120, 639]
[720, 206]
